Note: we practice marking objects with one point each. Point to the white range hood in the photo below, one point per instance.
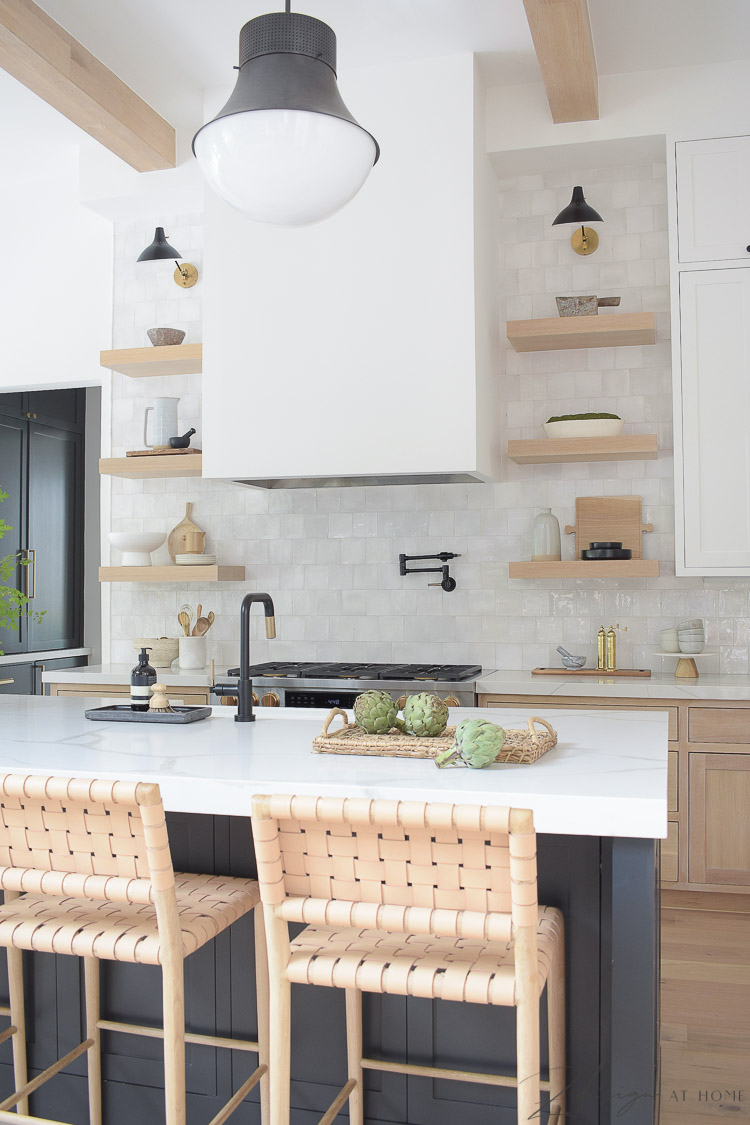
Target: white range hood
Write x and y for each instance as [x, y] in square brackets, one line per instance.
[364, 349]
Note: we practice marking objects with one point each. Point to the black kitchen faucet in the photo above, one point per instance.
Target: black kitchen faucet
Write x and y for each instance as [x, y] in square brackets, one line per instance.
[243, 689]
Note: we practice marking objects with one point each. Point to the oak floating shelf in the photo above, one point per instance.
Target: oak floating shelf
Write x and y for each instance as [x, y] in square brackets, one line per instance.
[583, 568]
[171, 573]
[556, 333]
[140, 468]
[549, 451]
[140, 363]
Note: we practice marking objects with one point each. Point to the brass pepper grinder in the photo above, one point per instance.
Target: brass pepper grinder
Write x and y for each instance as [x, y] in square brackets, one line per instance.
[600, 648]
[611, 665]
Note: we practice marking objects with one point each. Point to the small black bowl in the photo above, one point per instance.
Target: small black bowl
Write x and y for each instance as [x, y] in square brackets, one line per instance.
[607, 554]
[605, 546]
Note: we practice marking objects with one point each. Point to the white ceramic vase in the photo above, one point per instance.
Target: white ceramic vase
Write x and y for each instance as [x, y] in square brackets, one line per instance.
[545, 537]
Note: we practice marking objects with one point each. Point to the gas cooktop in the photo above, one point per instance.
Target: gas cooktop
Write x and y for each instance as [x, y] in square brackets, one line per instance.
[310, 670]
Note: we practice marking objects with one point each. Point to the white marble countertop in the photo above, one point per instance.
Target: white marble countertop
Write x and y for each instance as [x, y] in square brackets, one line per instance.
[51, 654]
[658, 686]
[120, 674]
[606, 777]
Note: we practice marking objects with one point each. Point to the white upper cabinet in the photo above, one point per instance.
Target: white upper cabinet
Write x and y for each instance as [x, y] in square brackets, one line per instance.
[715, 423]
[713, 200]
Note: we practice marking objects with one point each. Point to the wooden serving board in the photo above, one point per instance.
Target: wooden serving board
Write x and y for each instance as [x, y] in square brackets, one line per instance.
[609, 519]
[161, 451]
[177, 541]
[641, 673]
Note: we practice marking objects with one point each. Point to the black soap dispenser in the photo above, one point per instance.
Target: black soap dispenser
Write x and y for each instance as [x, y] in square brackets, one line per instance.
[142, 679]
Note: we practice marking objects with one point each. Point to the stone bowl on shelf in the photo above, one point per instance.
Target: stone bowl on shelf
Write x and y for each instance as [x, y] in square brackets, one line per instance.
[165, 337]
[136, 546]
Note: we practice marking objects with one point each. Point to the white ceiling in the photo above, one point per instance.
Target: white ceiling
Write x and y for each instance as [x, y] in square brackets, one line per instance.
[167, 48]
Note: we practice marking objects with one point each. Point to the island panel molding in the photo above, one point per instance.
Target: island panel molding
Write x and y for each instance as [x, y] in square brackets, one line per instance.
[146, 468]
[553, 451]
[142, 363]
[171, 573]
[46, 59]
[557, 333]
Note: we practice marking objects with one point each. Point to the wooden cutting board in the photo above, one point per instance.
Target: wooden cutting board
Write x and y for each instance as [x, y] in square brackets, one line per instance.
[642, 673]
[609, 519]
[161, 451]
[177, 542]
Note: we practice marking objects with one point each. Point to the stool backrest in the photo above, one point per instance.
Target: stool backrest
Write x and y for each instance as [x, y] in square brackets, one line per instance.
[103, 840]
[402, 866]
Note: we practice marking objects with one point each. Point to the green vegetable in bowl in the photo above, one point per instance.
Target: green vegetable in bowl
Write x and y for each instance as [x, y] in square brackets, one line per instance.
[579, 417]
[477, 744]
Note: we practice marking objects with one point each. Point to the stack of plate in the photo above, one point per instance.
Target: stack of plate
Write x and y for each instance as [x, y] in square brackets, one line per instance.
[607, 551]
[691, 636]
[195, 560]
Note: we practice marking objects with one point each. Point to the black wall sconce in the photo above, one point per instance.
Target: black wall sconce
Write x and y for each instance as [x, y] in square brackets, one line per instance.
[185, 275]
[585, 240]
[448, 583]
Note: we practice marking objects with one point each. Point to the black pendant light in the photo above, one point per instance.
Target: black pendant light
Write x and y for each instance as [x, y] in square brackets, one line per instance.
[285, 149]
[578, 211]
[159, 250]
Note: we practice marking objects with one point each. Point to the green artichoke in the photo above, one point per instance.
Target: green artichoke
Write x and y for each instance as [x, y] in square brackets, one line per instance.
[477, 744]
[375, 712]
[425, 715]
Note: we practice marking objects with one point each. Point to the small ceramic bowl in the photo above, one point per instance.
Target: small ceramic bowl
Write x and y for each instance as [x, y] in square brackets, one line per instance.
[692, 646]
[136, 546]
[165, 337]
[669, 641]
[696, 623]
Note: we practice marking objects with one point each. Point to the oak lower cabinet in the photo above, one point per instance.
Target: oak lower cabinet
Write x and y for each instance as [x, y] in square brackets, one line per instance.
[196, 696]
[708, 784]
[719, 819]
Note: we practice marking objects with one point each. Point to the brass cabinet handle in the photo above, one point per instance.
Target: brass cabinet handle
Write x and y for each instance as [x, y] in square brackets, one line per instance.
[31, 556]
[7, 681]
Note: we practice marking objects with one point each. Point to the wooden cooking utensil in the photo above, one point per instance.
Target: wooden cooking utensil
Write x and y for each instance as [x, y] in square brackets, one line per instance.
[177, 541]
[211, 618]
[203, 624]
[184, 619]
[607, 519]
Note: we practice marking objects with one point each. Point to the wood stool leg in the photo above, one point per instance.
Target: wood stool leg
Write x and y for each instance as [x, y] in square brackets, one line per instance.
[556, 1030]
[527, 1054]
[354, 1054]
[94, 1054]
[18, 1019]
[261, 992]
[173, 991]
[280, 1035]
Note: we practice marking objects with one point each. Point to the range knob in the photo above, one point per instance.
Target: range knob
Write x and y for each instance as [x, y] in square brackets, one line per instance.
[451, 701]
[232, 700]
[270, 699]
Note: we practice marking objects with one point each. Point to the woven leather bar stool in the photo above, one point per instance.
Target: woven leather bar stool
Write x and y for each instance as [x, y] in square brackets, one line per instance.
[431, 900]
[86, 870]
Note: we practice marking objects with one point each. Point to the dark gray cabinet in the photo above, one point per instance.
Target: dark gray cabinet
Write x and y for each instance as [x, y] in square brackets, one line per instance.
[42, 470]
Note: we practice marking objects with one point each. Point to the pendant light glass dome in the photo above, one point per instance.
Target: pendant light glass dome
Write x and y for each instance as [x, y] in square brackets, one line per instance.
[285, 149]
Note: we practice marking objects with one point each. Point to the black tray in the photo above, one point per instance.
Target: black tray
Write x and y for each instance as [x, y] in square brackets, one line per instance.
[626, 553]
[122, 713]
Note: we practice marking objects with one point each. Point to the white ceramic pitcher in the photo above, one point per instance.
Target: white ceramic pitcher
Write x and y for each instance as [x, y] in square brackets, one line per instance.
[164, 425]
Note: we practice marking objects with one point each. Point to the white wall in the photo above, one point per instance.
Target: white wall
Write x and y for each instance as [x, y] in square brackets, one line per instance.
[689, 102]
[55, 280]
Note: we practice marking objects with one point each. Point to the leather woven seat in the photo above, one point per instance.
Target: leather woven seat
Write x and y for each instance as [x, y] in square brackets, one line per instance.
[437, 968]
[122, 931]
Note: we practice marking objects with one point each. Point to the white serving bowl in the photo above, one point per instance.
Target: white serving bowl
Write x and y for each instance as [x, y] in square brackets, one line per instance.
[136, 546]
[669, 641]
[692, 646]
[584, 427]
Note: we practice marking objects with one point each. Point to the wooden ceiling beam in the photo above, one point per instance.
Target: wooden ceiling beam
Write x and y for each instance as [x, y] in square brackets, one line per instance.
[561, 30]
[49, 61]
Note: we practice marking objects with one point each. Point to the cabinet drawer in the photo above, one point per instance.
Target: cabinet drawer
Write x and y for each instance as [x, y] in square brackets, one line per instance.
[672, 712]
[670, 854]
[673, 760]
[719, 725]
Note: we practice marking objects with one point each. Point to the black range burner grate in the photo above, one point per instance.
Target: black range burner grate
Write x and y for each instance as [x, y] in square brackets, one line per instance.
[443, 673]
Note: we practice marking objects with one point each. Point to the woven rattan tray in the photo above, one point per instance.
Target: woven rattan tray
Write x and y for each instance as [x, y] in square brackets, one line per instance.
[521, 746]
